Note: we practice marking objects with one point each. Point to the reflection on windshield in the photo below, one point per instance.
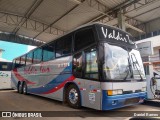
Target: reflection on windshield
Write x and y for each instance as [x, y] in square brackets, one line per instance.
[136, 63]
[118, 63]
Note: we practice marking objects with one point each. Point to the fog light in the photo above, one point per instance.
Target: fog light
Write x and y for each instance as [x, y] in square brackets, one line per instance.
[114, 102]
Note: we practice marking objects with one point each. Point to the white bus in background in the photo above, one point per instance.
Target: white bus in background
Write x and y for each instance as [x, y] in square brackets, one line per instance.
[150, 51]
[5, 74]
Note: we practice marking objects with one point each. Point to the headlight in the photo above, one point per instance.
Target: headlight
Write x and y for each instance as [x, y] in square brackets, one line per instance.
[144, 89]
[114, 92]
[120, 92]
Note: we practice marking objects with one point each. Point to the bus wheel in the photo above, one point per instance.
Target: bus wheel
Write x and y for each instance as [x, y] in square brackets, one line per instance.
[24, 88]
[73, 96]
[20, 88]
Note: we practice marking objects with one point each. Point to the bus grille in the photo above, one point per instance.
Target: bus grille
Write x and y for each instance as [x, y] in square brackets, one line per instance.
[131, 101]
[130, 91]
[127, 92]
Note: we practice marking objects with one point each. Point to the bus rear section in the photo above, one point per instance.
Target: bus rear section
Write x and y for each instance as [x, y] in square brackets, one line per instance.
[5, 75]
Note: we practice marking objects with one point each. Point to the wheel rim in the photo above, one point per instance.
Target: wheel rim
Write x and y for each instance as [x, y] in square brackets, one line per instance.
[19, 88]
[73, 96]
[24, 89]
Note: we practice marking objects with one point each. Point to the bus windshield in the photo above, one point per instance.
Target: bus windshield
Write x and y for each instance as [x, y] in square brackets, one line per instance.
[122, 63]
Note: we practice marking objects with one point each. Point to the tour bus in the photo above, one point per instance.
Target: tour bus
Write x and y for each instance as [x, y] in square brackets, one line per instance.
[5, 75]
[95, 66]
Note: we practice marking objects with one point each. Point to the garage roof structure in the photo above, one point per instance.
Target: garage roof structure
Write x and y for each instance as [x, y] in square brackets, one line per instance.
[37, 21]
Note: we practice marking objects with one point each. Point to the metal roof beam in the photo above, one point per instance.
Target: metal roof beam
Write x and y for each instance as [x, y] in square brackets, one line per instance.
[137, 5]
[126, 7]
[29, 12]
[113, 12]
[60, 18]
[19, 39]
[29, 24]
[101, 8]
[134, 28]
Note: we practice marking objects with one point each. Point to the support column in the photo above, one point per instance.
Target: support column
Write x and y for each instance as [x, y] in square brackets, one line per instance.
[121, 21]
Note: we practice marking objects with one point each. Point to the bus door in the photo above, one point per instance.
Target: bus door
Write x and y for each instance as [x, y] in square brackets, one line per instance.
[92, 83]
[87, 72]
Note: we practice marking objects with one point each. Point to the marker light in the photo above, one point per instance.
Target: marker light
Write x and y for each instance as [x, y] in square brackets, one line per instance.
[114, 92]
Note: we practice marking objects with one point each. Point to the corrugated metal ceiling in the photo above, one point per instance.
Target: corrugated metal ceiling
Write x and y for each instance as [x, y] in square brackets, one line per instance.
[50, 11]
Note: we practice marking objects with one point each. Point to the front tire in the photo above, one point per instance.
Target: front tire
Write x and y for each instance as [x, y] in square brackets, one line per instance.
[73, 96]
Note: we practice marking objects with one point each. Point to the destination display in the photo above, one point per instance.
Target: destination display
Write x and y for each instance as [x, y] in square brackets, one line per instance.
[114, 35]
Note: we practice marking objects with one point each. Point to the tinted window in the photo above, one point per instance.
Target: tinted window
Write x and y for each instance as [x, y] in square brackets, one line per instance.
[23, 60]
[77, 65]
[83, 39]
[91, 65]
[155, 33]
[148, 35]
[13, 64]
[18, 61]
[5, 66]
[158, 32]
[29, 58]
[63, 46]
[49, 52]
[143, 36]
[37, 55]
[146, 69]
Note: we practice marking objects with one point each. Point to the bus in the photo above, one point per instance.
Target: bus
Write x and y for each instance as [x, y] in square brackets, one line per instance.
[95, 66]
[5, 74]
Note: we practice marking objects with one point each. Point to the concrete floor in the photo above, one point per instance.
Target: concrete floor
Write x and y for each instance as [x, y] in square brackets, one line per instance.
[10, 100]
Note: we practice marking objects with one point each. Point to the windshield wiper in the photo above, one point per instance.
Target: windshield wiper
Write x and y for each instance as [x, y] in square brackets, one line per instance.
[135, 64]
[129, 71]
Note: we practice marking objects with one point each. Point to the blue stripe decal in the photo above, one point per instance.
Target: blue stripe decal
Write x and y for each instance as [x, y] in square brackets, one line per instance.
[53, 83]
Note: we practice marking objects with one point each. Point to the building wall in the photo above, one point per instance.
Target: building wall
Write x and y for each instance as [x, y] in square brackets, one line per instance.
[154, 59]
[150, 26]
[155, 41]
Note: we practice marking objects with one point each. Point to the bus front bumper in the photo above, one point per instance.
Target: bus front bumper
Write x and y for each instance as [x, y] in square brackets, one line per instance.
[118, 101]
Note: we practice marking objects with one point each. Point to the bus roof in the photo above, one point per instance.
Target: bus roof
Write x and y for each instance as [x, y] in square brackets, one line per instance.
[80, 27]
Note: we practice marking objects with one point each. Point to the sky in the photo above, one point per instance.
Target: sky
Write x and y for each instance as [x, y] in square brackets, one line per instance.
[13, 50]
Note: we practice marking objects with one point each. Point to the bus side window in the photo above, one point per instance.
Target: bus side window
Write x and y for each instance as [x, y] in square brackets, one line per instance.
[37, 55]
[77, 65]
[64, 46]
[17, 63]
[49, 52]
[13, 64]
[91, 70]
[23, 60]
[29, 58]
[3, 66]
